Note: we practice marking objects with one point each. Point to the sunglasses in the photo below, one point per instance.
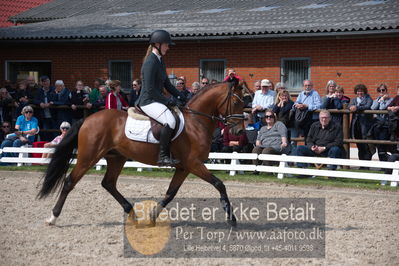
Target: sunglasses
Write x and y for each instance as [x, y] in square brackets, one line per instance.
[383, 90]
[269, 116]
[65, 128]
[28, 112]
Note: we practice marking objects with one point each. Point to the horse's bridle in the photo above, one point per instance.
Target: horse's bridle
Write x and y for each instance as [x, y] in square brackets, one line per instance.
[227, 114]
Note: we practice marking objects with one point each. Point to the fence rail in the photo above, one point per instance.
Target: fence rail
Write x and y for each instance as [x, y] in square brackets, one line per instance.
[283, 167]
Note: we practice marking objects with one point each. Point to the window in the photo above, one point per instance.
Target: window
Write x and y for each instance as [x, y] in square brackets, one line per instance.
[20, 69]
[294, 71]
[212, 69]
[121, 70]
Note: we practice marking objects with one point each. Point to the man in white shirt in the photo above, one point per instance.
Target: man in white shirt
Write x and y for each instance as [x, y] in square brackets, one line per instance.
[263, 99]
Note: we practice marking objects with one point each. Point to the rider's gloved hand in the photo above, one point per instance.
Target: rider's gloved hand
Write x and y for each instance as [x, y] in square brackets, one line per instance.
[182, 99]
[172, 102]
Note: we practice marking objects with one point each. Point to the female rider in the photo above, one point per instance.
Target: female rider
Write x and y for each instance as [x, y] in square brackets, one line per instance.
[151, 99]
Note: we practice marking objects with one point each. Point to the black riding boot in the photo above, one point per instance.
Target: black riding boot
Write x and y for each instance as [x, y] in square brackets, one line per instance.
[165, 158]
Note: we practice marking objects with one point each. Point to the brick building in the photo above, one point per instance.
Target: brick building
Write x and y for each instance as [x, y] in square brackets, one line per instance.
[350, 42]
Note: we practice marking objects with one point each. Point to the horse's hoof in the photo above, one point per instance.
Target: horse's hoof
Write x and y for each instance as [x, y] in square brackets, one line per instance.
[51, 220]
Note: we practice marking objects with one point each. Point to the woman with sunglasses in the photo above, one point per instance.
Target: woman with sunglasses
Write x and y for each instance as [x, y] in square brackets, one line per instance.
[272, 138]
[382, 102]
[26, 129]
[64, 127]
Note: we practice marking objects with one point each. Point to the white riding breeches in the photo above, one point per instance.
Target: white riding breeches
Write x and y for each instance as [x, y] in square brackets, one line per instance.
[160, 113]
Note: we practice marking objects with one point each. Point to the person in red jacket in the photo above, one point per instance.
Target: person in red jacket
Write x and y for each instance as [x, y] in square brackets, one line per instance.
[114, 99]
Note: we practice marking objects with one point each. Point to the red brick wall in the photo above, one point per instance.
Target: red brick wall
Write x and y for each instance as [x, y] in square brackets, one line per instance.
[368, 60]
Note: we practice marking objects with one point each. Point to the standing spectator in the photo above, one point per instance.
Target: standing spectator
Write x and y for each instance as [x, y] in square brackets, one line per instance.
[64, 127]
[114, 98]
[263, 100]
[361, 123]
[324, 139]
[23, 97]
[5, 130]
[195, 87]
[46, 116]
[11, 88]
[135, 93]
[330, 91]
[26, 129]
[282, 107]
[181, 86]
[393, 117]
[78, 96]
[95, 92]
[5, 101]
[380, 128]
[272, 138]
[204, 82]
[60, 97]
[100, 103]
[336, 101]
[308, 101]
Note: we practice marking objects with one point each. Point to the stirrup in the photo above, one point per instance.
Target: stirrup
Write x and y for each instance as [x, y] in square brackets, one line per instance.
[167, 161]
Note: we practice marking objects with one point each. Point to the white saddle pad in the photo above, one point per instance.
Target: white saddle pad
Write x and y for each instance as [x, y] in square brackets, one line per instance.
[140, 130]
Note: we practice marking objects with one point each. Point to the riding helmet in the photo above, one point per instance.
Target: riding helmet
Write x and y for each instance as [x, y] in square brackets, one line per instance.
[161, 36]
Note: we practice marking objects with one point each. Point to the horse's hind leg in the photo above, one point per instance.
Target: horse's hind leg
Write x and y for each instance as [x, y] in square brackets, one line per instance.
[178, 178]
[201, 171]
[114, 167]
[73, 178]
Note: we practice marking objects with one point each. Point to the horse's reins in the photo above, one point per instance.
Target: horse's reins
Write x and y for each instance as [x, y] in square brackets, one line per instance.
[224, 119]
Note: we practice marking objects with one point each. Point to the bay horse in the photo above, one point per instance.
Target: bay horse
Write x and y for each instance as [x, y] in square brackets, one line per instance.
[101, 135]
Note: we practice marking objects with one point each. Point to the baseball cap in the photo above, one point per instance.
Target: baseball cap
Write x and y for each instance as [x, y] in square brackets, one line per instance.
[265, 82]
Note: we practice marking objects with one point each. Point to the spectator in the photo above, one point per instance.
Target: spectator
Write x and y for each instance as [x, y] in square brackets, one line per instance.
[181, 86]
[380, 128]
[23, 96]
[308, 101]
[248, 97]
[195, 87]
[11, 88]
[26, 129]
[217, 138]
[78, 96]
[32, 85]
[282, 107]
[5, 130]
[100, 103]
[44, 100]
[272, 138]
[135, 93]
[214, 81]
[64, 127]
[95, 92]
[60, 97]
[235, 143]
[280, 86]
[232, 77]
[361, 123]
[393, 117]
[204, 82]
[324, 139]
[330, 91]
[336, 101]
[263, 100]
[5, 101]
[114, 98]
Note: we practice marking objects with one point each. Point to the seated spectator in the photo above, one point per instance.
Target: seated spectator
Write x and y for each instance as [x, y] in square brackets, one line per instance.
[217, 138]
[181, 86]
[232, 77]
[204, 82]
[5, 130]
[336, 101]
[114, 98]
[272, 138]
[282, 107]
[95, 91]
[64, 127]
[324, 139]
[361, 123]
[235, 143]
[135, 93]
[5, 101]
[214, 81]
[100, 103]
[46, 116]
[280, 87]
[60, 97]
[26, 129]
[195, 87]
[79, 96]
[263, 100]
[393, 117]
[330, 91]
[248, 97]
[307, 101]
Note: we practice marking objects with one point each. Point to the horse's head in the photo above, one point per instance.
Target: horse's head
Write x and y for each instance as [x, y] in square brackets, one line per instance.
[233, 107]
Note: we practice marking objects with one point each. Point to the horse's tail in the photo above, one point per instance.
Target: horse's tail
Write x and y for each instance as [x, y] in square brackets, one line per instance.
[60, 161]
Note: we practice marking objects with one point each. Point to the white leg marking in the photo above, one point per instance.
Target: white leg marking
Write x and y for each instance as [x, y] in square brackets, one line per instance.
[51, 220]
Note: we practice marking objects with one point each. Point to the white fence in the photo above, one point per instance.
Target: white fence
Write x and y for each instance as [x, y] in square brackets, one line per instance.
[283, 166]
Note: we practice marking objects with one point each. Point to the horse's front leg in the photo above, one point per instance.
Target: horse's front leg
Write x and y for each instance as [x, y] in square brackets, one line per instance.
[178, 178]
[201, 171]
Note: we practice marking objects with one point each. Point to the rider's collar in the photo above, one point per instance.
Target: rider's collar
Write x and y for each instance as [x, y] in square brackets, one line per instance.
[159, 57]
